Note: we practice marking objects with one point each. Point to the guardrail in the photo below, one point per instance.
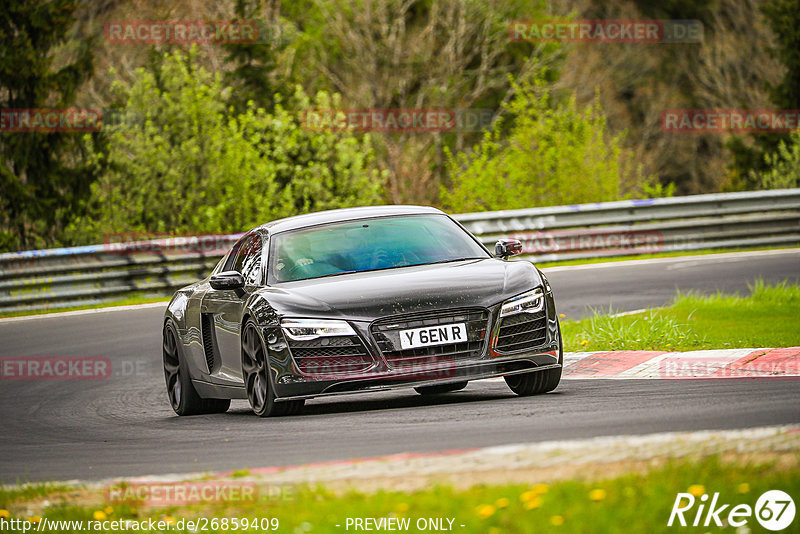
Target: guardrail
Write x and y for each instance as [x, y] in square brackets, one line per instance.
[39, 279]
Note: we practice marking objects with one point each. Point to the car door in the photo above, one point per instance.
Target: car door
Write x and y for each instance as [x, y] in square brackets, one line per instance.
[222, 309]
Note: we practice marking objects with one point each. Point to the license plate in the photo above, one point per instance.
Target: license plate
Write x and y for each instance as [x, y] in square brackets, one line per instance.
[433, 335]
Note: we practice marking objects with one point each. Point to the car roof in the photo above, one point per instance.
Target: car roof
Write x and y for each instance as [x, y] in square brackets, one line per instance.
[341, 215]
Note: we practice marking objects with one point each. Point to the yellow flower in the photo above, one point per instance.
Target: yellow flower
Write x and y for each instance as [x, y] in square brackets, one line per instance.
[168, 519]
[561, 315]
[597, 494]
[541, 489]
[501, 502]
[402, 507]
[5, 514]
[99, 515]
[744, 487]
[556, 520]
[584, 342]
[34, 519]
[108, 510]
[534, 503]
[485, 510]
[697, 490]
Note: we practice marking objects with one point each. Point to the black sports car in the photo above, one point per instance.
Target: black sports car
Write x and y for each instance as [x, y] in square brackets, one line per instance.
[356, 300]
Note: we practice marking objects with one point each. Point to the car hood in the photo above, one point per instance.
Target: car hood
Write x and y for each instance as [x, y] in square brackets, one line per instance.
[368, 296]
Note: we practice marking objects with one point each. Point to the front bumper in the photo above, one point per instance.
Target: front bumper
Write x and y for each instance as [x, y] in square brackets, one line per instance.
[463, 373]
[292, 384]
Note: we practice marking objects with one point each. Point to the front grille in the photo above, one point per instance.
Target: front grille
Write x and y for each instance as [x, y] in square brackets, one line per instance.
[386, 333]
[326, 356]
[522, 331]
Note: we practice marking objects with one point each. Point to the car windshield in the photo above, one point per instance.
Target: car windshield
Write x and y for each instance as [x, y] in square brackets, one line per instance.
[369, 245]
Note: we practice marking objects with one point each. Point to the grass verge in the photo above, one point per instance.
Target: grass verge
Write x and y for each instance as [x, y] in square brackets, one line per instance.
[768, 317]
[639, 502]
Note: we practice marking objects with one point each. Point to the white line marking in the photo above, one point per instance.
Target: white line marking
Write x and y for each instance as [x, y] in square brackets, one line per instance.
[675, 259]
[162, 303]
[632, 312]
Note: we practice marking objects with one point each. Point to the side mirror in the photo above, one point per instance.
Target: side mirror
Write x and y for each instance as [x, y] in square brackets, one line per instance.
[507, 247]
[227, 280]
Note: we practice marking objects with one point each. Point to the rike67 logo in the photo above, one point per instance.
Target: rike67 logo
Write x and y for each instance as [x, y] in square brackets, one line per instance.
[774, 510]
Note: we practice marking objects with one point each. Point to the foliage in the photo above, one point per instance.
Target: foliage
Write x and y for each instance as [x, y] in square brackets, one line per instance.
[255, 75]
[180, 162]
[553, 153]
[420, 54]
[767, 149]
[43, 181]
[783, 166]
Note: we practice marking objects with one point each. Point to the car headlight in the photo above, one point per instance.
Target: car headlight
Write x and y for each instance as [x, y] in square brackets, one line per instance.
[529, 302]
[308, 329]
[547, 288]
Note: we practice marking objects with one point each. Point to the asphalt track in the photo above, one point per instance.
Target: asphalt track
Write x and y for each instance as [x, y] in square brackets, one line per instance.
[123, 426]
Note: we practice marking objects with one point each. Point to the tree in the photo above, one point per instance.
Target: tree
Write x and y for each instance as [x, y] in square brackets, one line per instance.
[255, 75]
[181, 162]
[554, 153]
[43, 177]
[418, 54]
[783, 166]
[750, 161]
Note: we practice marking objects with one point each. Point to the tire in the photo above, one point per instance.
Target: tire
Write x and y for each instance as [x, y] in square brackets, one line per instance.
[181, 393]
[440, 388]
[255, 371]
[537, 382]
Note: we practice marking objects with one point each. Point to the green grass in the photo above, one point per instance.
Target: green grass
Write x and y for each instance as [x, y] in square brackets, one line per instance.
[24, 492]
[128, 301]
[768, 317]
[630, 503]
[673, 254]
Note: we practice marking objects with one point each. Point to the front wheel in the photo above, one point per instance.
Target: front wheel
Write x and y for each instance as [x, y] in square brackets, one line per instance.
[534, 383]
[256, 378]
[538, 382]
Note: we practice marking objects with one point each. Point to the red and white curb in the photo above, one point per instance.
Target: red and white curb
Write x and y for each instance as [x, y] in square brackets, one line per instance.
[725, 363]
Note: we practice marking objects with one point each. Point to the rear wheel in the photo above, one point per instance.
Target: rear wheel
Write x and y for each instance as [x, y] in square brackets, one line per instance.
[256, 377]
[441, 388]
[537, 382]
[182, 395]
